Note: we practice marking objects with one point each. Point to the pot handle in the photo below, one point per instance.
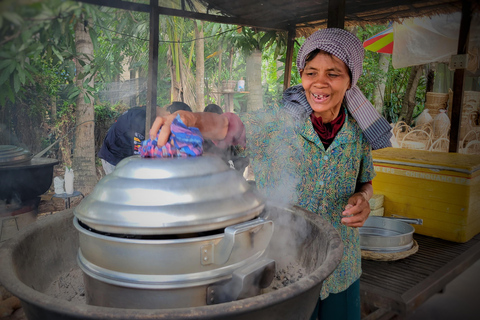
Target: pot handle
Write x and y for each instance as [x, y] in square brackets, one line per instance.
[245, 282]
[252, 236]
[407, 220]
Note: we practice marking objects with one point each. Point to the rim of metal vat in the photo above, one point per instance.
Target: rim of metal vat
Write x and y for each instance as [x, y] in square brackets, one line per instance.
[71, 310]
[386, 235]
[146, 196]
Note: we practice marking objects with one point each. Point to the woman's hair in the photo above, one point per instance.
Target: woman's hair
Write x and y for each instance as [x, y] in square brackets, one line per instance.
[178, 105]
[213, 108]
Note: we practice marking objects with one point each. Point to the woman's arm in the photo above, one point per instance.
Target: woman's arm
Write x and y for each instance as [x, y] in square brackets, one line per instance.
[358, 208]
[212, 126]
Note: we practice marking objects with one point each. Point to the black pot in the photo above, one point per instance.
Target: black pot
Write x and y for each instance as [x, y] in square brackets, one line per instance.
[23, 178]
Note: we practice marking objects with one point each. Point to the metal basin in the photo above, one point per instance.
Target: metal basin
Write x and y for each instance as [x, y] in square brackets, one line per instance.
[382, 234]
[47, 249]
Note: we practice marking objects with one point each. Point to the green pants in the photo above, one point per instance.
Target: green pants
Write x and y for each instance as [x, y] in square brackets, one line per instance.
[344, 305]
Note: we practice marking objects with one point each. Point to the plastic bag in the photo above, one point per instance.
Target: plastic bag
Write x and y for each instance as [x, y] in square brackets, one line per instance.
[424, 118]
[58, 185]
[441, 124]
[69, 180]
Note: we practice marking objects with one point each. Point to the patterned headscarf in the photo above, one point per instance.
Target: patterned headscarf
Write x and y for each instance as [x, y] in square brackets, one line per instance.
[348, 48]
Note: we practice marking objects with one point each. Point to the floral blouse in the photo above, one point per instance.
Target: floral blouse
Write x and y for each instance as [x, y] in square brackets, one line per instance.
[291, 166]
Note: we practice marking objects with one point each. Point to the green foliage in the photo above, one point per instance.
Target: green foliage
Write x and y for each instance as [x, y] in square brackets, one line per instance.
[105, 115]
[33, 32]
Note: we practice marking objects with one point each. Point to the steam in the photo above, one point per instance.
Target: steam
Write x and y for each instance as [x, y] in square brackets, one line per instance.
[277, 160]
[291, 234]
[296, 242]
[7, 138]
[130, 92]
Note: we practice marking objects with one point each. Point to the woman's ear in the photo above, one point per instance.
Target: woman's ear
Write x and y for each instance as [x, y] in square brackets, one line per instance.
[301, 72]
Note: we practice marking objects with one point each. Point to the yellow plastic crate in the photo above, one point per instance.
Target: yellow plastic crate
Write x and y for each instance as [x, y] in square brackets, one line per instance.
[443, 189]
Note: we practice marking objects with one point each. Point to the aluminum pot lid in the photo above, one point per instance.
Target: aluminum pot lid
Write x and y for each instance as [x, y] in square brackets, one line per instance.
[145, 196]
[10, 154]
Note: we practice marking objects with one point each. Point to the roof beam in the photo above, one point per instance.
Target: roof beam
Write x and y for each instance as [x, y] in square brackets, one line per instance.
[152, 64]
[126, 5]
[336, 14]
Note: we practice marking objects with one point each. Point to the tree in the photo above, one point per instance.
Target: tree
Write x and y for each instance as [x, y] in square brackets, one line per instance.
[182, 79]
[84, 149]
[252, 43]
[409, 99]
[379, 91]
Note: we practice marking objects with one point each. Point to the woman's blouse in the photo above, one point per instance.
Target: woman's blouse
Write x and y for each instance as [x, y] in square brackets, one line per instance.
[291, 166]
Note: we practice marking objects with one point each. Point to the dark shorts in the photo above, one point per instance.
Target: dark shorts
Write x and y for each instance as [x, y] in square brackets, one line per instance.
[344, 305]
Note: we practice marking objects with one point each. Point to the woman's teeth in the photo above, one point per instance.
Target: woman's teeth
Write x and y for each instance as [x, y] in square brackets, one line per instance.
[319, 96]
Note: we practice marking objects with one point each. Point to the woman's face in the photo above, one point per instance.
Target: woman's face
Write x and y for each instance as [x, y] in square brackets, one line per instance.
[325, 80]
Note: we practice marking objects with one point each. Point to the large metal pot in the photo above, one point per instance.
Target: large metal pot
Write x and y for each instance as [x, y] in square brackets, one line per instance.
[22, 177]
[172, 233]
[47, 250]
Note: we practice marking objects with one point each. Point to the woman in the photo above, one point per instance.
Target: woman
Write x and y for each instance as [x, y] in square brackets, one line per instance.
[313, 150]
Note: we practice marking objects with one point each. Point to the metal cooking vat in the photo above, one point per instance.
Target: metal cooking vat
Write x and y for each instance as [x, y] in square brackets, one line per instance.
[46, 250]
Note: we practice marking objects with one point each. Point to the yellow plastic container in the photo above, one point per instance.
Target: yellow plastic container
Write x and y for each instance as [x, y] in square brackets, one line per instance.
[443, 189]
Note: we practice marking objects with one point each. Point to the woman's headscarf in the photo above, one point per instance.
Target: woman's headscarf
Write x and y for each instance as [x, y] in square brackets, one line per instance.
[348, 48]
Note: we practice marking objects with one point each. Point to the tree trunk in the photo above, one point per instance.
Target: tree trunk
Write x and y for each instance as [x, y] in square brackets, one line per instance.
[408, 104]
[379, 92]
[430, 77]
[84, 145]
[217, 97]
[253, 82]
[230, 63]
[200, 68]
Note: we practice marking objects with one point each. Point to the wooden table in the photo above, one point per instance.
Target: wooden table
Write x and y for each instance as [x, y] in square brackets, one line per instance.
[393, 289]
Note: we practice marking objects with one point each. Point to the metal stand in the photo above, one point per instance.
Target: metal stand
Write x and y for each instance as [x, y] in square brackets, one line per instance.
[67, 197]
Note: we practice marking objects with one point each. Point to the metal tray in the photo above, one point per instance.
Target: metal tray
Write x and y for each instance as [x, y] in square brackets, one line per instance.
[387, 235]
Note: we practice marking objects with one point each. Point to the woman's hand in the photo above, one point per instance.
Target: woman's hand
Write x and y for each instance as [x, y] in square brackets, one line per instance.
[356, 211]
[358, 208]
[212, 126]
[188, 118]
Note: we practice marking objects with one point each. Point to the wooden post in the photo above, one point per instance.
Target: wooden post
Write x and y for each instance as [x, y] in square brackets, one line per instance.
[287, 76]
[336, 14]
[152, 66]
[459, 77]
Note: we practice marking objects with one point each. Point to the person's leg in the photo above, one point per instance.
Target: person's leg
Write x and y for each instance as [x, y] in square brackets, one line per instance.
[342, 306]
[107, 167]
